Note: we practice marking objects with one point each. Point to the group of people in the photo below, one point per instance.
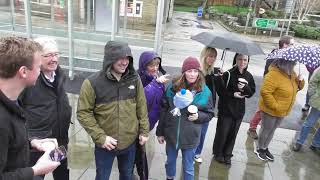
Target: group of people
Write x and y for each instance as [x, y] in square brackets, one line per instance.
[118, 107]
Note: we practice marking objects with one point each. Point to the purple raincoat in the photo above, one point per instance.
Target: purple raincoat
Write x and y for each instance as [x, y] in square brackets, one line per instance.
[152, 89]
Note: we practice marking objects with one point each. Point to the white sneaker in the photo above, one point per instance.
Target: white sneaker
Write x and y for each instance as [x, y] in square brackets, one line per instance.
[197, 159]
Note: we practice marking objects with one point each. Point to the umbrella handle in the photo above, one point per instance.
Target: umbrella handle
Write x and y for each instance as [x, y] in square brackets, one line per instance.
[299, 69]
[223, 58]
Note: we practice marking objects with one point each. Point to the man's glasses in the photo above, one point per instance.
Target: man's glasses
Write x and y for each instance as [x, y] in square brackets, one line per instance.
[51, 55]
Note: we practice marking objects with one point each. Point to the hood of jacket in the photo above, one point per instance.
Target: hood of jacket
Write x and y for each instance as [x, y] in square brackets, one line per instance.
[145, 58]
[114, 50]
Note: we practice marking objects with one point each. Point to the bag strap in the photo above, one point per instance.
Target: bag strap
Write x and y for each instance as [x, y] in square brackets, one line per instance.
[228, 79]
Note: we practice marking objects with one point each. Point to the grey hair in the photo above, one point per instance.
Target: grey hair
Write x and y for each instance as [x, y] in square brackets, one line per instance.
[284, 65]
[47, 43]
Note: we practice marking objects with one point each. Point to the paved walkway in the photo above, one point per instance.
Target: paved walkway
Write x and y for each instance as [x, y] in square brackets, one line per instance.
[288, 165]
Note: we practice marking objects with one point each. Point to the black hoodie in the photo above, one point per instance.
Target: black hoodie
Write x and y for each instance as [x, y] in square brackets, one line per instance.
[228, 105]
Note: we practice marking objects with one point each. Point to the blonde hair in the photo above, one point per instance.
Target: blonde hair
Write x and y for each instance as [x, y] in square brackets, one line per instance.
[205, 68]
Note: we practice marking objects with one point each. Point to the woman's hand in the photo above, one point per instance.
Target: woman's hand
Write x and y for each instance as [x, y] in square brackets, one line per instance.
[193, 117]
[238, 95]
[161, 139]
[163, 79]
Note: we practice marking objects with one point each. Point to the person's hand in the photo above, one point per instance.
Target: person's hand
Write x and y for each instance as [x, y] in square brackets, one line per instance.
[241, 86]
[110, 143]
[193, 117]
[300, 77]
[163, 79]
[238, 95]
[142, 139]
[44, 165]
[161, 139]
[46, 144]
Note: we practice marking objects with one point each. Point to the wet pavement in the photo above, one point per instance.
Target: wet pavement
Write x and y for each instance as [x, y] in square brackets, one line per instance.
[288, 165]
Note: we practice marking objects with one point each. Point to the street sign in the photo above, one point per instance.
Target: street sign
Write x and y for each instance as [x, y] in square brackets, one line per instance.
[200, 11]
[265, 23]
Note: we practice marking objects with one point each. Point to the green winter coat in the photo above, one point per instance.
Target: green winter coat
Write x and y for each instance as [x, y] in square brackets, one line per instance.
[108, 107]
[314, 89]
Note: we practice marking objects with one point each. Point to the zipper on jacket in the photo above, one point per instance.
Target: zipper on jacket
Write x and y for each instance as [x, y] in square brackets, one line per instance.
[118, 122]
[178, 132]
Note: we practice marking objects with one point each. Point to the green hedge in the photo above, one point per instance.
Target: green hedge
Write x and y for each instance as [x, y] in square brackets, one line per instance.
[232, 10]
[306, 31]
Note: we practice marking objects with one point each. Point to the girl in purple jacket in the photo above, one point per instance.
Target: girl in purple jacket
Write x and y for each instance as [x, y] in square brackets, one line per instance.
[153, 83]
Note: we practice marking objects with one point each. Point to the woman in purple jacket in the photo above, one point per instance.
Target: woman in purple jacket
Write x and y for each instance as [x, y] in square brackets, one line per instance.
[153, 83]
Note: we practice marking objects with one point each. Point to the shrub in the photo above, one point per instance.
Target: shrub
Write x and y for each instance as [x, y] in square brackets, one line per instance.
[306, 32]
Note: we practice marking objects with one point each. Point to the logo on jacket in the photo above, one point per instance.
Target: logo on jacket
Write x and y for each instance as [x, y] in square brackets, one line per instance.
[131, 87]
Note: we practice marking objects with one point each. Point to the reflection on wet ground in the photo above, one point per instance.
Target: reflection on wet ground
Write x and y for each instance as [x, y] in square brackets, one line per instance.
[245, 165]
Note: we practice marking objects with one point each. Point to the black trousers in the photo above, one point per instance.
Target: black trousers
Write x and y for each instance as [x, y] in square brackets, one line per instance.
[225, 138]
[62, 171]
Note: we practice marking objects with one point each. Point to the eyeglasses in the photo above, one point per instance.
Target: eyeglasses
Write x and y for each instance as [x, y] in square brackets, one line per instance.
[57, 54]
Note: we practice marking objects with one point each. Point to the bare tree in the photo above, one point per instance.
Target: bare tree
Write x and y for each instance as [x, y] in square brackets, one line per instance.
[303, 7]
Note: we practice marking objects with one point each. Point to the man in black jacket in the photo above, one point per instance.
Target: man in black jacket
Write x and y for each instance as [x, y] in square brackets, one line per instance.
[48, 112]
[19, 67]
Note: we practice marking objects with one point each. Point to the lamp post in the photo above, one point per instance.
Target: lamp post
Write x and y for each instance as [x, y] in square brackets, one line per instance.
[248, 16]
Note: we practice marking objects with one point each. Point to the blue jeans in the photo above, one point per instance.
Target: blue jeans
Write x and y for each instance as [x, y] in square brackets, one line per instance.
[312, 118]
[104, 160]
[187, 162]
[307, 95]
[204, 129]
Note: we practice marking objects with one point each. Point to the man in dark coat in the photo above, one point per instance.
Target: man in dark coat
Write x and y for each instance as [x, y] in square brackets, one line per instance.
[19, 67]
[48, 112]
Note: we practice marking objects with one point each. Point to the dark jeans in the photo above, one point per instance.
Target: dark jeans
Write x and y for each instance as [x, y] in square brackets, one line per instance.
[62, 171]
[225, 138]
[104, 160]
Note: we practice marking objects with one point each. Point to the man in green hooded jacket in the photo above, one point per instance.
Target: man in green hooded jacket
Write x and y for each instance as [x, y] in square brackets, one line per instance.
[112, 109]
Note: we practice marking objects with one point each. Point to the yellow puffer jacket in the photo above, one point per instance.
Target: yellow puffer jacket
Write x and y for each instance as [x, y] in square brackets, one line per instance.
[278, 92]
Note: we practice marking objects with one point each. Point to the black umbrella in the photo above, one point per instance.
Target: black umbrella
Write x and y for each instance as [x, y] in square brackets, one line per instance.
[228, 41]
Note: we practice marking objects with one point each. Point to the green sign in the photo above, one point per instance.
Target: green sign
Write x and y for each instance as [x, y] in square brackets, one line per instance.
[265, 23]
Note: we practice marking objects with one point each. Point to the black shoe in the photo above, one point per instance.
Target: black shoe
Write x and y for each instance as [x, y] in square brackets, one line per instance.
[227, 161]
[269, 155]
[305, 108]
[297, 147]
[261, 153]
[220, 159]
[315, 149]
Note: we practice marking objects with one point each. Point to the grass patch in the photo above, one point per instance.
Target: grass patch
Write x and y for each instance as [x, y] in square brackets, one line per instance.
[233, 10]
[185, 9]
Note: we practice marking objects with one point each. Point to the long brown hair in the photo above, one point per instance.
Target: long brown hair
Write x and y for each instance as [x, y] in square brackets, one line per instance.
[180, 82]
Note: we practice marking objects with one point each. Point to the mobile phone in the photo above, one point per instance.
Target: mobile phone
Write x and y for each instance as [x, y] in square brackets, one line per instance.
[58, 154]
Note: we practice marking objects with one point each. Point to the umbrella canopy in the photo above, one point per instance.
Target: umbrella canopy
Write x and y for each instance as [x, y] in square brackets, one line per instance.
[308, 55]
[228, 41]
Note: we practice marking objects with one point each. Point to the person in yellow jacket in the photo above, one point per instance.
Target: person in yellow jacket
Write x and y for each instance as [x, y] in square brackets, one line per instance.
[277, 96]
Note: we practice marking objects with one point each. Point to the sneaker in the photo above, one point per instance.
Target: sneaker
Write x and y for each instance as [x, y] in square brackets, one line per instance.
[220, 159]
[305, 108]
[269, 155]
[252, 133]
[315, 149]
[227, 161]
[296, 147]
[197, 159]
[261, 153]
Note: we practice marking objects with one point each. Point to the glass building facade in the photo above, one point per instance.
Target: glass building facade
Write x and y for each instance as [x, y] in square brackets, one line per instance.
[82, 27]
